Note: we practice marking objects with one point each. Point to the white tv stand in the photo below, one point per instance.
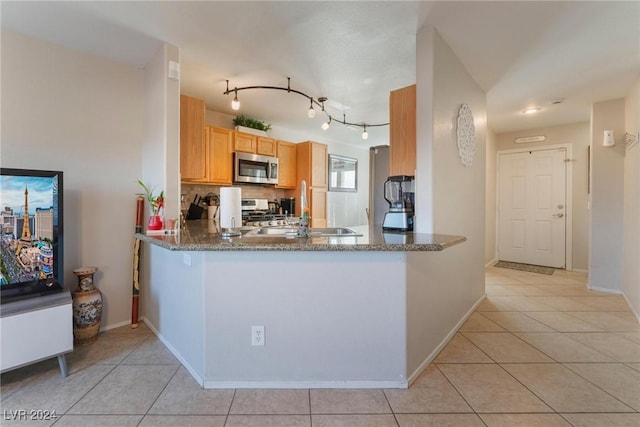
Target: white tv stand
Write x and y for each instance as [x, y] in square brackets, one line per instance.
[36, 329]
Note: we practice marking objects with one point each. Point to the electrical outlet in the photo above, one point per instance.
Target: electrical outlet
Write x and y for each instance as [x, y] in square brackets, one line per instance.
[257, 335]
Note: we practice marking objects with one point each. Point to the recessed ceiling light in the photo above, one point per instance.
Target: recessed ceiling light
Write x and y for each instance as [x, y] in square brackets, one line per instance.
[531, 110]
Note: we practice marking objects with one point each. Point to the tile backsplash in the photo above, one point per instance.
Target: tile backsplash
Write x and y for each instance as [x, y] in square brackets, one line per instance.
[250, 191]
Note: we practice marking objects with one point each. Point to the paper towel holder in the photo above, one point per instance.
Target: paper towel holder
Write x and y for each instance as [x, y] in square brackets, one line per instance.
[231, 232]
[230, 211]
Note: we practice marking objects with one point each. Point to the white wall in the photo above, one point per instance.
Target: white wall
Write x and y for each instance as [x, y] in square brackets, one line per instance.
[631, 215]
[450, 197]
[161, 146]
[578, 135]
[83, 115]
[343, 209]
[607, 193]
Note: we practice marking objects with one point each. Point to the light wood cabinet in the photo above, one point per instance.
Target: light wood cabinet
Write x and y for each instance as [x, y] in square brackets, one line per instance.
[244, 142]
[319, 166]
[287, 164]
[266, 146]
[402, 131]
[211, 161]
[312, 168]
[219, 155]
[192, 139]
[254, 144]
[318, 207]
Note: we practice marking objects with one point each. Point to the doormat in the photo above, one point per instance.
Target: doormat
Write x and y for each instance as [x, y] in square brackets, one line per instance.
[525, 267]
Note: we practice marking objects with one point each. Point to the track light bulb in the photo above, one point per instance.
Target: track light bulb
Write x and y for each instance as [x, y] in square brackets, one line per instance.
[365, 134]
[311, 112]
[325, 126]
[235, 104]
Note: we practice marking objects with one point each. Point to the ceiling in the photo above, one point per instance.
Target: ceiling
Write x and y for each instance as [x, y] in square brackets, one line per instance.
[521, 53]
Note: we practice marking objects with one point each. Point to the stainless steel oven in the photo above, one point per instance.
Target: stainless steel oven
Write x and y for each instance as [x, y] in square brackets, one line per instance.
[255, 169]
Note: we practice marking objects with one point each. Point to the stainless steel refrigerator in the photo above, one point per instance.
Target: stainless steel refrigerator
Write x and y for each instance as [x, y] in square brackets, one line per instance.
[378, 174]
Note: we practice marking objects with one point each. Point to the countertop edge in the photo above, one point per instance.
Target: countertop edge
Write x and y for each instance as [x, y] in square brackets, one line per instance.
[234, 244]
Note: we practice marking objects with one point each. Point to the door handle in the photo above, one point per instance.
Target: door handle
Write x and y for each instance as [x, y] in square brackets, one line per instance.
[558, 215]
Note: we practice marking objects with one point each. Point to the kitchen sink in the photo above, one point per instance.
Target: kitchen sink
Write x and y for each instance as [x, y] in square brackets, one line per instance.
[289, 231]
[334, 231]
[273, 231]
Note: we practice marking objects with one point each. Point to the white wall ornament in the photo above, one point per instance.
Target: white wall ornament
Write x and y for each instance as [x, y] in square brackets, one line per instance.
[466, 135]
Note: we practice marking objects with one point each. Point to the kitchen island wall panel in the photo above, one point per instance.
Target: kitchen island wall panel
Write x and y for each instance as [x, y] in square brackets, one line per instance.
[173, 306]
[340, 312]
[329, 321]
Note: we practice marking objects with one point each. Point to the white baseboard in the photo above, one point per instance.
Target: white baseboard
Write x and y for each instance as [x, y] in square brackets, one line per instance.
[414, 376]
[491, 263]
[609, 291]
[632, 308]
[307, 384]
[115, 325]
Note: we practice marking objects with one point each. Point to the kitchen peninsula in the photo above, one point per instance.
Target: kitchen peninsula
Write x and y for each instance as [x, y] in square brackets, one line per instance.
[357, 311]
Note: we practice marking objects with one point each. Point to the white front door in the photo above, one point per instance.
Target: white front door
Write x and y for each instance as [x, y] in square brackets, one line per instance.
[532, 207]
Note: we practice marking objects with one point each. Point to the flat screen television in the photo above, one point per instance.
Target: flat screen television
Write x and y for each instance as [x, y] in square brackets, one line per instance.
[31, 237]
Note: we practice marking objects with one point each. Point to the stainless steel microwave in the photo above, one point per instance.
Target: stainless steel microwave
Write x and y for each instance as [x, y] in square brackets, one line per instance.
[255, 169]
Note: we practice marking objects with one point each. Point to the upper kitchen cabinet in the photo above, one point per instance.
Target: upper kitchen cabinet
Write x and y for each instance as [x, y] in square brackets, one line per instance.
[219, 155]
[402, 120]
[266, 146]
[287, 164]
[254, 144]
[244, 142]
[312, 163]
[312, 167]
[192, 139]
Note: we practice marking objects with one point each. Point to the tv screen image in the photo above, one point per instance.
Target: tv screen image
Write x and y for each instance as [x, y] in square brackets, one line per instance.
[31, 232]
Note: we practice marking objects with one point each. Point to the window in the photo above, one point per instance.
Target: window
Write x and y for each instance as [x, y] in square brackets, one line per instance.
[343, 173]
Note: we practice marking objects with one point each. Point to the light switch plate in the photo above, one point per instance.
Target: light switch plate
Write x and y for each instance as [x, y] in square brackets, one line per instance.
[174, 70]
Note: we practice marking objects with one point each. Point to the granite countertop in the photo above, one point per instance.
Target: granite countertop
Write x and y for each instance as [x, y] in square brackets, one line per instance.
[203, 235]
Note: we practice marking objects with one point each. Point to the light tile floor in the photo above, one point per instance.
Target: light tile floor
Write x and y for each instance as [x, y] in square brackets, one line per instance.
[539, 351]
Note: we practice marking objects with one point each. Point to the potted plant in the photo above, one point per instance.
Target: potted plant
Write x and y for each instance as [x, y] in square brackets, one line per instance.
[250, 125]
[155, 203]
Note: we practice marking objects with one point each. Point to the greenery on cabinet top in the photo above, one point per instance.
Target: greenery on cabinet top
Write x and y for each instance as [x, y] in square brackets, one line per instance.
[251, 123]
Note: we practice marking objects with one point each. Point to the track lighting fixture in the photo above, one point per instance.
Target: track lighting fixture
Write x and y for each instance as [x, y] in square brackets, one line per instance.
[311, 112]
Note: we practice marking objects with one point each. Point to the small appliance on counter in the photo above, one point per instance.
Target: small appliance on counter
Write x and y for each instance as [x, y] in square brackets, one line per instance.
[400, 195]
[288, 206]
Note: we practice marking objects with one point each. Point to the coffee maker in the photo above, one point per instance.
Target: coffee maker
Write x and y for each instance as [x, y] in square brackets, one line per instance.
[288, 206]
[400, 194]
